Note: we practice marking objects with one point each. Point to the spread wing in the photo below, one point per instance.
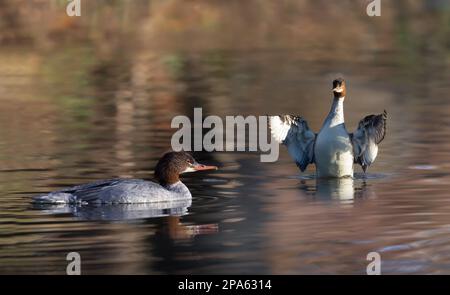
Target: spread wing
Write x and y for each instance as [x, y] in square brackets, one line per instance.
[294, 133]
[371, 131]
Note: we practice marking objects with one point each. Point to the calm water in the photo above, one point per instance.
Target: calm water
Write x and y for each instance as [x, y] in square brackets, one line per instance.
[69, 118]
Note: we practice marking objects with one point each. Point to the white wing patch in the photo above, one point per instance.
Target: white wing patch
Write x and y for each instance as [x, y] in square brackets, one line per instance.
[294, 132]
[278, 128]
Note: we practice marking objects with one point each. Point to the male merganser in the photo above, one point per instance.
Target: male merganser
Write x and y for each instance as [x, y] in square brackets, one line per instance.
[333, 150]
[127, 191]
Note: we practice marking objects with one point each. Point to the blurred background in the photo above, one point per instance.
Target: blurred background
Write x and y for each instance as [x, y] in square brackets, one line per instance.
[92, 97]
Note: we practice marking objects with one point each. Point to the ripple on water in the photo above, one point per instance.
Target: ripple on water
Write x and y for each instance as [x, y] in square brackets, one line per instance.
[356, 176]
[423, 167]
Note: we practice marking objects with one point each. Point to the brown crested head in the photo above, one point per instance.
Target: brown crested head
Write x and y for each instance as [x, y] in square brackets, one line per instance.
[172, 164]
[339, 89]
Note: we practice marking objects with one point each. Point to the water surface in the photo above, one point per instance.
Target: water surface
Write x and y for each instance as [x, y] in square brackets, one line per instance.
[70, 118]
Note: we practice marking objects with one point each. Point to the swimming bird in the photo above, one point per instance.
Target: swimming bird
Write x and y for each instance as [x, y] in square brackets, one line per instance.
[128, 191]
[333, 150]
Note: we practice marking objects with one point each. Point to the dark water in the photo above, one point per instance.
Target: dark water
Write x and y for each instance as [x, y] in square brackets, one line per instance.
[69, 118]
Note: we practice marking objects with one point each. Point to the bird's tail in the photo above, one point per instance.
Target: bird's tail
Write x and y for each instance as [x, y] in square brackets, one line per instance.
[55, 198]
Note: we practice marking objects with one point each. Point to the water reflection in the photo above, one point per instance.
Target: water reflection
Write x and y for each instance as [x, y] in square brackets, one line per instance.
[340, 189]
[119, 211]
[344, 190]
[173, 228]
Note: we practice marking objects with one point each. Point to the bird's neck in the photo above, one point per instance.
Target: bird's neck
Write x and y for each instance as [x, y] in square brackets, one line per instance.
[166, 176]
[178, 187]
[336, 115]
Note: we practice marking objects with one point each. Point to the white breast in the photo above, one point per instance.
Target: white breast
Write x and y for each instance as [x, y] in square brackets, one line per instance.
[334, 152]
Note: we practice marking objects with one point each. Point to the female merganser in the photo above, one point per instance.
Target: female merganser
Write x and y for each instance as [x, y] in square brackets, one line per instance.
[333, 150]
[127, 191]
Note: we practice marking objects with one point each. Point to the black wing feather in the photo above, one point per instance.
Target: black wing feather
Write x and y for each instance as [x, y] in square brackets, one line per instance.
[370, 133]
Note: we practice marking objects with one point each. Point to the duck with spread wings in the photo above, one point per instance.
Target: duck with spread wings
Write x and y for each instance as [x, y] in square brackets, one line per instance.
[333, 150]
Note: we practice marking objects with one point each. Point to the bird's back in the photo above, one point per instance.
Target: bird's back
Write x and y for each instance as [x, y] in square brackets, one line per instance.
[115, 191]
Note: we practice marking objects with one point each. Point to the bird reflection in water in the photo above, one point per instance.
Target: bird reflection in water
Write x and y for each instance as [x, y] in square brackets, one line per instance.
[344, 190]
[118, 212]
[176, 230]
[170, 224]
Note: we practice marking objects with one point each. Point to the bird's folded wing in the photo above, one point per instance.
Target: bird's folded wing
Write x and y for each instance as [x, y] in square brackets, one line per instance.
[90, 192]
[294, 133]
[371, 131]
